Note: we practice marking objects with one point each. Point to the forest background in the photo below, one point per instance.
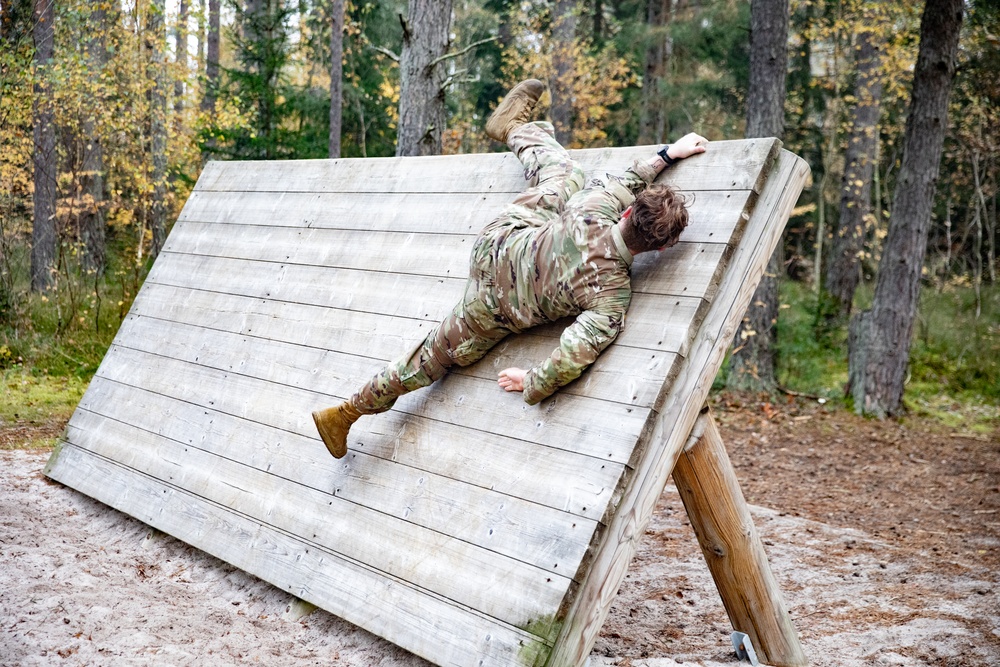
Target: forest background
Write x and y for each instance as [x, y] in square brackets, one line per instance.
[109, 111]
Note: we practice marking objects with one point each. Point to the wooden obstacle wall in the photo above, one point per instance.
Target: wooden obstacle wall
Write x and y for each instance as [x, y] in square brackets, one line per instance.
[464, 525]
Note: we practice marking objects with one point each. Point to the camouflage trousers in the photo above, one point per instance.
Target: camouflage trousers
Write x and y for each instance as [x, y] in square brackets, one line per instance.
[476, 324]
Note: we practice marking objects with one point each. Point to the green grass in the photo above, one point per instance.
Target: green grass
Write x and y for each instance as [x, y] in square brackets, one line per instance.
[812, 358]
[51, 344]
[34, 398]
[954, 375]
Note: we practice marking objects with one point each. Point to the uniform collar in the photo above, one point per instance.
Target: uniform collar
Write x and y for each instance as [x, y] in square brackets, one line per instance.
[616, 235]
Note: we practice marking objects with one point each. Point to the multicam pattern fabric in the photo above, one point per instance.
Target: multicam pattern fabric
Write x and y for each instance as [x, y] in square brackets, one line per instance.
[555, 251]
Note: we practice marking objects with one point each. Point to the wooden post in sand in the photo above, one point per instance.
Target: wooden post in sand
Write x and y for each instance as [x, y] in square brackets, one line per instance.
[732, 548]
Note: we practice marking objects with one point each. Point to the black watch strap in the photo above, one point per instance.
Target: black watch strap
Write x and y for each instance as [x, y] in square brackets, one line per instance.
[671, 161]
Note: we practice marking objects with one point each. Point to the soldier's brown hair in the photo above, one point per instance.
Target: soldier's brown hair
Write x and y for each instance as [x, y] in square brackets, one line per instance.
[659, 215]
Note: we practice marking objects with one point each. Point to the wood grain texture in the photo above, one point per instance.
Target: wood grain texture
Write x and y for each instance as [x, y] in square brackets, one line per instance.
[733, 549]
[464, 525]
[712, 213]
[386, 606]
[730, 165]
[657, 451]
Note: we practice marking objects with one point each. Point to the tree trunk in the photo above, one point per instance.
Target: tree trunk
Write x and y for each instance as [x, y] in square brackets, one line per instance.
[156, 40]
[598, 22]
[336, 75]
[92, 172]
[879, 340]
[199, 65]
[752, 364]
[422, 115]
[181, 56]
[210, 91]
[844, 270]
[43, 230]
[564, 17]
[653, 123]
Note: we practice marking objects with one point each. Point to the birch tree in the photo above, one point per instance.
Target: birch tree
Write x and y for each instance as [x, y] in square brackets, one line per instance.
[156, 38]
[652, 123]
[564, 19]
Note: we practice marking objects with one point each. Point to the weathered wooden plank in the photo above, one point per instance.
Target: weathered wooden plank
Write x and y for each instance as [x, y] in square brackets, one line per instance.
[270, 355]
[712, 214]
[505, 588]
[444, 255]
[590, 452]
[655, 322]
[535, 533]
[730, 165]
[426, 297]
[707, 484]
[687, 269]
[386, 606]
[474, 404]
[564, 481]
[658, 449]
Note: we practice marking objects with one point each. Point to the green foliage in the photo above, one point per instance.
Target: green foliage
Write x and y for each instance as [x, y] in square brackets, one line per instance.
[708, 68]
[34, 398]
[954, 356]
[812, 358]
[955, 351]
[66, 332]
[258, 87]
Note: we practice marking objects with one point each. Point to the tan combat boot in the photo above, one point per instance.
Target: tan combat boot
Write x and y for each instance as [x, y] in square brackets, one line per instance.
[333, 425]
[514, 110]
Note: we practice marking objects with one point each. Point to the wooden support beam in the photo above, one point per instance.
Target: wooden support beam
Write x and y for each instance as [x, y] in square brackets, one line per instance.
[729, 541]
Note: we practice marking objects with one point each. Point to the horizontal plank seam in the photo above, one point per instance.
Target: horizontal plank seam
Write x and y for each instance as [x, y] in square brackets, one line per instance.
[381, 232]
[335, 496]
[317, 546]
[355, 230]
[287, 262]
[444, 193]
[341, 398]
[309, 193]
[311, 346]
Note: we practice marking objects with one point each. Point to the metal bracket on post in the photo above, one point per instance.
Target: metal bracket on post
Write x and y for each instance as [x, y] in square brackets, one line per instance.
[744, 648]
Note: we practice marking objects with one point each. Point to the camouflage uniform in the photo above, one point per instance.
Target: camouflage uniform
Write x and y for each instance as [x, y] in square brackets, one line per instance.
[555, 251]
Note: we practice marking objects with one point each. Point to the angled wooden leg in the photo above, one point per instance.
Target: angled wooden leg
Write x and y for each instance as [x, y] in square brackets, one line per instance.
[729, 541]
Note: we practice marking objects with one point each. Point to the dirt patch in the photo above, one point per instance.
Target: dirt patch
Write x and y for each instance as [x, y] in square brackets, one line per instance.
[884, 537]
[21, 434]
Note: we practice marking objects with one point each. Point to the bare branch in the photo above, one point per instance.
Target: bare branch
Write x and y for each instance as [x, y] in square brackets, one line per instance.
[458, 77]
[386, 52]
[456, 54]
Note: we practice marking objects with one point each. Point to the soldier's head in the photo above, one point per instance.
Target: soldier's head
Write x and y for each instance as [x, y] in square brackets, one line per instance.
[655, 220]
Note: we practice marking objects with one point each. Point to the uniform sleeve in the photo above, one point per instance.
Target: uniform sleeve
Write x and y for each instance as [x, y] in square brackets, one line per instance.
[579, 346]
[611, 194]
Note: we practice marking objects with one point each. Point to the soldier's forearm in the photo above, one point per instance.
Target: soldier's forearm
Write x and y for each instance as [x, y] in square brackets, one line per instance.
[656, 163]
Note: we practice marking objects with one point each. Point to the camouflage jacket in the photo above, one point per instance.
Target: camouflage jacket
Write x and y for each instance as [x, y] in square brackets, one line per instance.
[577, 264]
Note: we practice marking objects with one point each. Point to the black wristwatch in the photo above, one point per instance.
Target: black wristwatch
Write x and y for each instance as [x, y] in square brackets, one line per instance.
[671, 161]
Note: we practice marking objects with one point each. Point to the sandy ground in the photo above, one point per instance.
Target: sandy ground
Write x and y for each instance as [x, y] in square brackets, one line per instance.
[885, 557]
